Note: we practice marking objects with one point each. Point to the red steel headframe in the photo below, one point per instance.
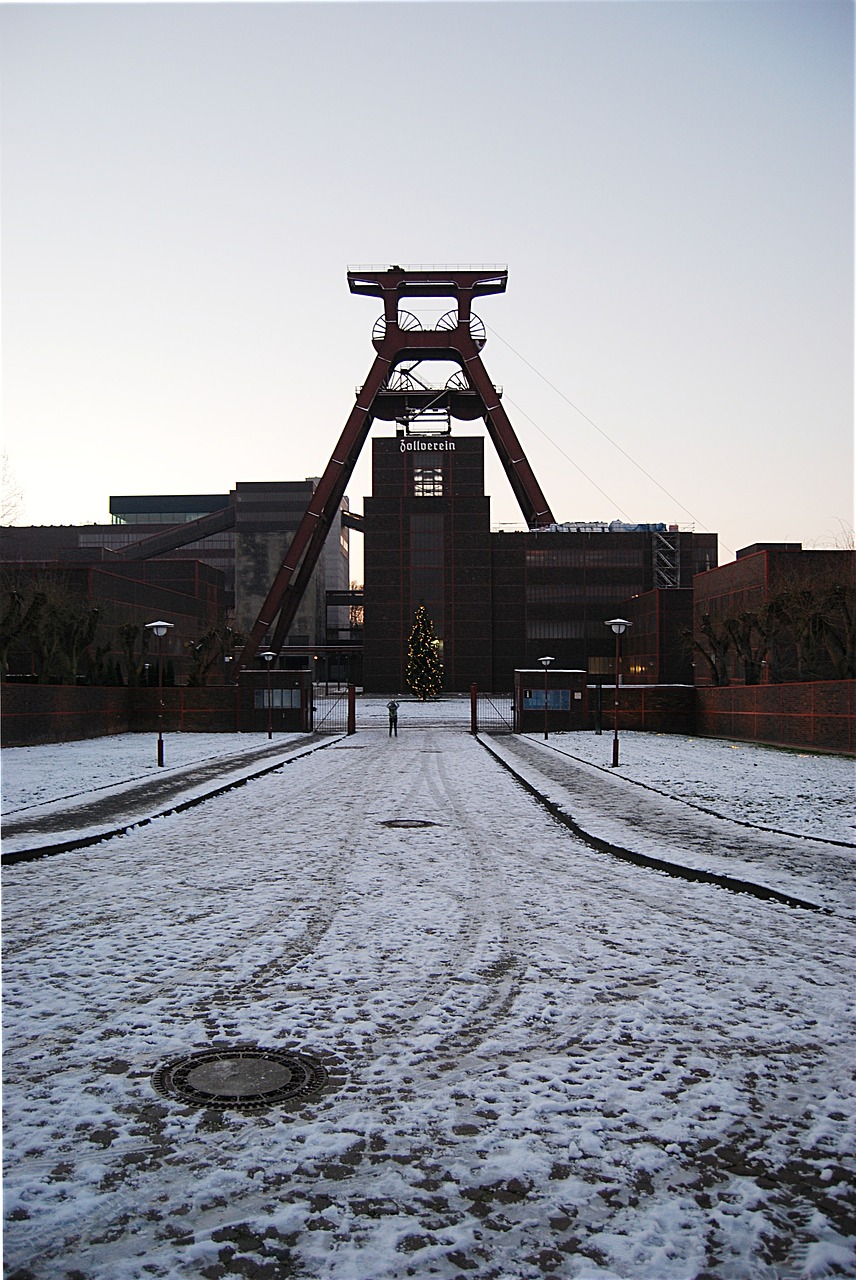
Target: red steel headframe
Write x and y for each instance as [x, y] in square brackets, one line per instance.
[395, 344]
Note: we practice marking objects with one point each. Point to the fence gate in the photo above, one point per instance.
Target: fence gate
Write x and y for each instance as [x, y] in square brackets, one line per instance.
[329, 709]
[494, 713]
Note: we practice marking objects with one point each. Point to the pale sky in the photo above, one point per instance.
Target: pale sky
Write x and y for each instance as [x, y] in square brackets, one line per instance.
[669, 183]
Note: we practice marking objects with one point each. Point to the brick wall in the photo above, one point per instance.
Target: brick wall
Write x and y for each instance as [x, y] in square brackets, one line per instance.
[817, 714]
[38, 713]
[649, 708]
[34, 713]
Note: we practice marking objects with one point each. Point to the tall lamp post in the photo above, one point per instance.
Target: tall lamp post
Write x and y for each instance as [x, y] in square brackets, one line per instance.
[160, 629]
[269, 656]
[619, 626]
[545, 663]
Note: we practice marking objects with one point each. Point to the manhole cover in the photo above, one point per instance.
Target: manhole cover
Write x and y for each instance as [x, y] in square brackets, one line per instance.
[245, 1077]
[407, 822]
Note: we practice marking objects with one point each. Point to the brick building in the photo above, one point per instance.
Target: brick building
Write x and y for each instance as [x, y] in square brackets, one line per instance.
[187, 593]
[499, 601]
[778, 614]
[152, 540]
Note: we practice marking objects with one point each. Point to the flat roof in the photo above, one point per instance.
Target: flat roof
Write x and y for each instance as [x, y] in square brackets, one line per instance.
[136, 502]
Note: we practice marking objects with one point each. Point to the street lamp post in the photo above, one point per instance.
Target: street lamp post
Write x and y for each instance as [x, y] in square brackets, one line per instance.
[545, 663]
[160, 629]
[619, 626]
[269, 656]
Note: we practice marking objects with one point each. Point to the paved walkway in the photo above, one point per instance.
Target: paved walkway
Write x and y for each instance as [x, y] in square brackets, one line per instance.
[63, 825]
[547, 1062]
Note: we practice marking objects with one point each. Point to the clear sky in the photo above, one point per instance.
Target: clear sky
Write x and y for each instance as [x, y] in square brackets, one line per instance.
[669, 183]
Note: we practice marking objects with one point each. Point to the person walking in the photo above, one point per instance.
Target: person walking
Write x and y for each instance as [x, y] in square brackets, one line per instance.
[392, 708]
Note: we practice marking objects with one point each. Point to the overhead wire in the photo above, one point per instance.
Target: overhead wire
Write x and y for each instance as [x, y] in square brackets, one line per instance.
[597, 428]
[507, 399]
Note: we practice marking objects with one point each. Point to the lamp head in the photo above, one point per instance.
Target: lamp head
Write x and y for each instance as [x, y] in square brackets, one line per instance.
[159, 628]
[619, 625]
[268, 655]
[545, 662]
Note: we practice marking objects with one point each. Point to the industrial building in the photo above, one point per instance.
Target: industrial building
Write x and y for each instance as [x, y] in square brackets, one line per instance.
[775, 614]
[212, 554]
[500, 601]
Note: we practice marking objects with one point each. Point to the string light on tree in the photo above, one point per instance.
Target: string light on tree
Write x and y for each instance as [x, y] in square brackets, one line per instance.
[424, 669]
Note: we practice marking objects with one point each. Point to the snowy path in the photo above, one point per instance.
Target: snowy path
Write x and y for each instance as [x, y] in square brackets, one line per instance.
[555, 1063]
[83, 817]
[647, 822]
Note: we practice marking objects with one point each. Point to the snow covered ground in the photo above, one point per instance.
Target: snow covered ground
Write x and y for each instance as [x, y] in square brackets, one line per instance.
[550, 1062]
[801, 792]
[33, 776]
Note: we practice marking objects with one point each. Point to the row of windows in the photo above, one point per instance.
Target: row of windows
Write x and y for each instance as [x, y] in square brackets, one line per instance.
[573, 592]
[557, 699]
[564, 629]
[224, 541]
[428, 482]
[158, 517]
[580, 557]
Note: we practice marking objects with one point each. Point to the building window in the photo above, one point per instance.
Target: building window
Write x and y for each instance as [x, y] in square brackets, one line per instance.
[557, 699]
[554, 629]
[428, 482]
[280, 699]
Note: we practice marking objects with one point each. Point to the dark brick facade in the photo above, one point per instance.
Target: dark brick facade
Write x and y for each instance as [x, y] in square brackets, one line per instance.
[656, 648]
[427, 541]
[185, 592]
[500, 601]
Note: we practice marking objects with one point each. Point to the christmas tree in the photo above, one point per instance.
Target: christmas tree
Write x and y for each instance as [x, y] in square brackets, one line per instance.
[424, 668]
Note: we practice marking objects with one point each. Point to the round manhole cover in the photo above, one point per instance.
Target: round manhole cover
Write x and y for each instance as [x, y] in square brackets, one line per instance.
[407, 823]
[245, 1077]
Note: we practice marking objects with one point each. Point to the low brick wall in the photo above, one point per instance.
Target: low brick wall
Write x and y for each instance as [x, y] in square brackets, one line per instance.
[210, 709]
[656, 708]
[819, 715]
[36, 713]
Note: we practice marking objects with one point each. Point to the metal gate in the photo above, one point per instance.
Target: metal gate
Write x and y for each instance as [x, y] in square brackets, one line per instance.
[494, 713]
[329, 709]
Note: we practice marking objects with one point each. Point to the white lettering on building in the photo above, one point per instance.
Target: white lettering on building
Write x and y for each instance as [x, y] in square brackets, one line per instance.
[425, 446]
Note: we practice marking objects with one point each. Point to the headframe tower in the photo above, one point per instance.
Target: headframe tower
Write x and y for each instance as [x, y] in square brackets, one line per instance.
[392, 392]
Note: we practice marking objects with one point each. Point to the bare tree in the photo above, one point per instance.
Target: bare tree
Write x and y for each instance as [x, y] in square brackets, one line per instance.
[11, 493]
[750, 635]
[713, 647]
[211, 650]
[356, 611]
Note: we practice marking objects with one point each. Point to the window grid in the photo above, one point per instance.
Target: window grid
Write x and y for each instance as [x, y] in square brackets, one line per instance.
[428, 482]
